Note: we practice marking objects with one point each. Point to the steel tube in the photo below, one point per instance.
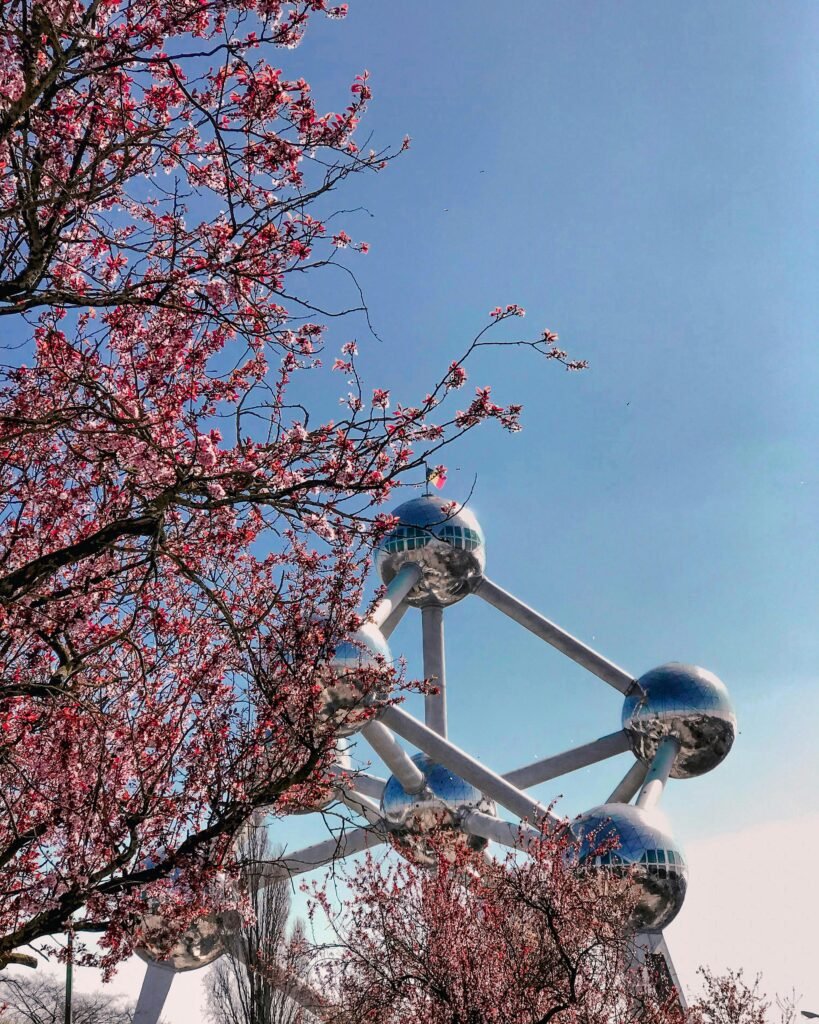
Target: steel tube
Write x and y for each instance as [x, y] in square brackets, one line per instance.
[155, 987]
[517, 837]
[336, 848]
[362, 805]
[397, 589]
[569, 761]
[286, 981]
[629, 784]
[395, 617]
[459, 762]
[432, 630]
[362, 782]
[394, 756]
[554, 635]
[658, 773]
[653, 944]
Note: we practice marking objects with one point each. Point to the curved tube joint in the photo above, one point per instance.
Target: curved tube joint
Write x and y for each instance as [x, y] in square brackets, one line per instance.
[658, 773]
[554, 635]
[452, 757]
[432, 630]
[629, 784]
[516, 837]
[155, 987]
[397, 590]
[569, 761]
[394, 756]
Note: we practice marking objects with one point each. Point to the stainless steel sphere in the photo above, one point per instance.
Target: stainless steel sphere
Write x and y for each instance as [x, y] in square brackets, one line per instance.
[688, 703]
[641, 843]
[449, 548]
[440, 805]
[342, 695]
[205, 941]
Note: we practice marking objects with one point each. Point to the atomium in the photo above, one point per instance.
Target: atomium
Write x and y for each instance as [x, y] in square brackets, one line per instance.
[685, 702]
[448, 546]
[619, 837]
[437, 808]
[345, 690]
[677, 722]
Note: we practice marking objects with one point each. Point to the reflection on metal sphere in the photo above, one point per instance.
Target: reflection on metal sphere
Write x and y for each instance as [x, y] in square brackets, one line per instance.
[343, 693]
[688, 703]
[449, 548]
[205, 941]
[439, 805]
[660, 871]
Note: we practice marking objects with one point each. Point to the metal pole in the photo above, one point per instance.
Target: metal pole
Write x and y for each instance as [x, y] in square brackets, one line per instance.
[517, 837]
[554, 635]
[651, 952]
[568, 761]
[432, 629]
[155, 987]
[658, 773]
[394, 756]
[629, 784]
[69, 980]
[445, 753]
[316, 856]
[395, 617]
[397, 589]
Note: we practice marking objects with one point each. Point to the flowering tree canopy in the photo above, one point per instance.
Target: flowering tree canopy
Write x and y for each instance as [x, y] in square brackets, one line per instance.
[182, 539]
[523, 940]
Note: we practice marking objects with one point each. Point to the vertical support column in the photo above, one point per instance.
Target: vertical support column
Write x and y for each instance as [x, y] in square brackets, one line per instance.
[155, 987]
[432, 626]
[658, 773]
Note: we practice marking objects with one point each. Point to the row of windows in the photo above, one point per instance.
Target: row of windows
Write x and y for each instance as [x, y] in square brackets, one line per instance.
[657, 862]
[410, 538]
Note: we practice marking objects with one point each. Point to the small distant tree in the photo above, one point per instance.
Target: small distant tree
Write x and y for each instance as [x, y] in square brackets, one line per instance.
[245, 986]
[41, 1000]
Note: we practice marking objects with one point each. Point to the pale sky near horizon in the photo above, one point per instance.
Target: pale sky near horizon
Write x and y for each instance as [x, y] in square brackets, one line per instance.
[643, 178]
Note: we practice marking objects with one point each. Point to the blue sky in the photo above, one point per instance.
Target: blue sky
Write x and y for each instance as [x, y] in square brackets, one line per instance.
[642, 178]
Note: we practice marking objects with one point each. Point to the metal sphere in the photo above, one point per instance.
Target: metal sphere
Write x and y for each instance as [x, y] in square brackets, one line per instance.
[642, 844]
[342, 693]
[440, 805]
[688, 703]
[205, 941]
[450, 548]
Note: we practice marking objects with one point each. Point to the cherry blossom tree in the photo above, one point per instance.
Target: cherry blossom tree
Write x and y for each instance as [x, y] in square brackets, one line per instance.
[184, 530]
[523, 940]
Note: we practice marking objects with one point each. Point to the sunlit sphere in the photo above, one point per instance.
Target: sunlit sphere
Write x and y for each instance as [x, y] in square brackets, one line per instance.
[450, 548]
[639, 842]
[205, 941]
[437, 808]
[344, 694]
[688, 703]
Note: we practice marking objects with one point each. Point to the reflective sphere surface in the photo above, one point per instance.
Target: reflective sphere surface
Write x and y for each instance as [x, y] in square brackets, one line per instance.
[688, 703]
[438, 806]
[205, 941]
[449, 548]
[343, 691]
[641, 843]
